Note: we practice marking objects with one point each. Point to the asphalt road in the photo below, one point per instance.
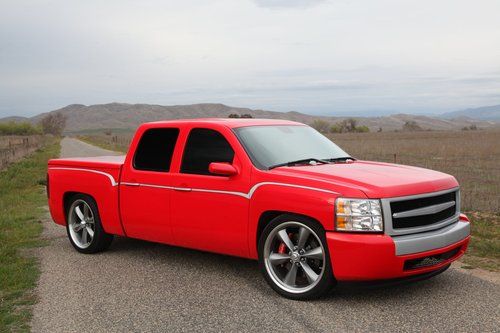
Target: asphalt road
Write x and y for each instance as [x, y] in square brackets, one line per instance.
[140, 286]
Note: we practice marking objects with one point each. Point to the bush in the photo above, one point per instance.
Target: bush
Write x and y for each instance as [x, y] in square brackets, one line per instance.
[362, 129]
[336, 128]
[320, 125]
[348, 126]
[13, 128]
[235, 115]
[412, 126]
[471, 127]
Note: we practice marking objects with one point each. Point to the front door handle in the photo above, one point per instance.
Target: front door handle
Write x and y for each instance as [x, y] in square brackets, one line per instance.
[182, 189]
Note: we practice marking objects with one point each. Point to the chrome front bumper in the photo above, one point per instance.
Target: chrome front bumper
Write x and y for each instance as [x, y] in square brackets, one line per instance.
[431, 240]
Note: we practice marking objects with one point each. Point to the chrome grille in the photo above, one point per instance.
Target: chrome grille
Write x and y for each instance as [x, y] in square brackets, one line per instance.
[419, 213]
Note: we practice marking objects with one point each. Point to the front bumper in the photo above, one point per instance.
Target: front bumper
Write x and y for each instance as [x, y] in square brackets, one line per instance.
[364, 257]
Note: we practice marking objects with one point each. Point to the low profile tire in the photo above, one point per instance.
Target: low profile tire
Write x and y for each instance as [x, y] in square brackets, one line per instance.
[294, 258]
[84, 226]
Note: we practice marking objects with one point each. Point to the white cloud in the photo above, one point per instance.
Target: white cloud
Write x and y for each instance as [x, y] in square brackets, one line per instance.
[314, 56]
[288, 3]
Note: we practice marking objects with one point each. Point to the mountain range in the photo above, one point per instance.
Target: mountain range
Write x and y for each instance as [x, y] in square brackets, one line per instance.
[129, 116]
[482, 113]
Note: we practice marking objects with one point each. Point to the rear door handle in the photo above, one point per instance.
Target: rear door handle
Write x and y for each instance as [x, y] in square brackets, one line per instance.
[130, 184]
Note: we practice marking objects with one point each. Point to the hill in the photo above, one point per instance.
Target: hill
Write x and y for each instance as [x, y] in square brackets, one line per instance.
[491, 113]
[129, 116]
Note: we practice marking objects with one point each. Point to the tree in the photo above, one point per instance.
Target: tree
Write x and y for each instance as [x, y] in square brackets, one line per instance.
[411, 126]
[234, 115]
[320, 125]
[53, 123]
[349, 125]
[246, 115]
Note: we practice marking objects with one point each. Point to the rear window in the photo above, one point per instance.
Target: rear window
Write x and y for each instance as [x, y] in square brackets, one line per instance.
[154, 152]
[203, 147]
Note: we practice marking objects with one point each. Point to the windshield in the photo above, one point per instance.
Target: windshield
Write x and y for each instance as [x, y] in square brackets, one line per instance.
[268, 146]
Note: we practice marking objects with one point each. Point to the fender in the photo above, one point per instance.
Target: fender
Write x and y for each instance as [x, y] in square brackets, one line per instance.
[99, 184]
[316, 203]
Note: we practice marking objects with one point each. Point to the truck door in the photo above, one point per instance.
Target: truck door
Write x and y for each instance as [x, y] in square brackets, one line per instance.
[145, 186]
[210, 212]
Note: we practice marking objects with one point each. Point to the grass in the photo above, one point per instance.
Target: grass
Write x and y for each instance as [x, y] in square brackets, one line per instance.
[21, 205]
[484, 248]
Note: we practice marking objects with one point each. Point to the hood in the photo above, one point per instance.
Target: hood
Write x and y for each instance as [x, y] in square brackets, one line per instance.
[375, 179]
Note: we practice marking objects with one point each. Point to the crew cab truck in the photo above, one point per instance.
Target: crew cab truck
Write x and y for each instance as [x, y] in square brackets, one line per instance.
[272, 190]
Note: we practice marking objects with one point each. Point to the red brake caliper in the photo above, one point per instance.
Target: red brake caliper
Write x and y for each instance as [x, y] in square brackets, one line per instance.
[282, 248]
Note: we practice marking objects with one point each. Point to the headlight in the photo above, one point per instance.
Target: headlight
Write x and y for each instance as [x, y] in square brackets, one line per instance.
[358, 215]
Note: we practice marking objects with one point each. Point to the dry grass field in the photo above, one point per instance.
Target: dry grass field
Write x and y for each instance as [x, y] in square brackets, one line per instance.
[473, 157]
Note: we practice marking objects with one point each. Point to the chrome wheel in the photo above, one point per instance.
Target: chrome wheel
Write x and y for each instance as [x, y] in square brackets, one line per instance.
[294, 257]
[81, 224]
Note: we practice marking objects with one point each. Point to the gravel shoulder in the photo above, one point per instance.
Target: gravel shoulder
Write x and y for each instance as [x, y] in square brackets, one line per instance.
[147, 287]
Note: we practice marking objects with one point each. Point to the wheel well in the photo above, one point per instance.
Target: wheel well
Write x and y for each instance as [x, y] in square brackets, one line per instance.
[269, 215]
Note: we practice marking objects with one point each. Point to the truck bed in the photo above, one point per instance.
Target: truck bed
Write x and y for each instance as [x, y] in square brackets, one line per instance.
[107, 162]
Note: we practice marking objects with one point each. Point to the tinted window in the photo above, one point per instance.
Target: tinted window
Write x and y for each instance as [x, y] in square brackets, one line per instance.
[154, 152]
[203, 147]
[271, 145]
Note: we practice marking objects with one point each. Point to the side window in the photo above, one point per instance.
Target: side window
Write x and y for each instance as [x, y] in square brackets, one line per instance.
[154, 151]
[203, 147]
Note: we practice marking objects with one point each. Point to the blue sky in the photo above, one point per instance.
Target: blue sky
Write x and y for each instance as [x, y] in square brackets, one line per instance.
[322, 57]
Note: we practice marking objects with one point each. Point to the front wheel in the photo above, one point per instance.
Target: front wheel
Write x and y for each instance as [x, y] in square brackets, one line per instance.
[293, 256]
[84, 226]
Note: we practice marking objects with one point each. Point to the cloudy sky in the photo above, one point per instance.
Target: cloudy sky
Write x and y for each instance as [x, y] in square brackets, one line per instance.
[315, 56]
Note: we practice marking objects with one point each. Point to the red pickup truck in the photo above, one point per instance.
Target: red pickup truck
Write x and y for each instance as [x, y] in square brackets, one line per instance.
[277, 191]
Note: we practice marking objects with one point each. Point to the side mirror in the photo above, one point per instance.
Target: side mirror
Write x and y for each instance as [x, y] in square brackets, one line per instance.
[222, 169]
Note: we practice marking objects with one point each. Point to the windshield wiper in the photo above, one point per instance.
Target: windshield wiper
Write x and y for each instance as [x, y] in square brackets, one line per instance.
[305, 160]
[340, 159]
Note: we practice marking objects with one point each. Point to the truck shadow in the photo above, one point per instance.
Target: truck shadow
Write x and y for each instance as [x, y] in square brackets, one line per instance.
[233, 270]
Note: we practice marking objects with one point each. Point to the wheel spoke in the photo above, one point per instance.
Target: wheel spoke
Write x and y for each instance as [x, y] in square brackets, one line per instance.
[284, 237]
[303, 236]
[316, 253]
[90, 231]
[78, 212]
[86, 211]
[77, 227]
[310, 274]
[84, 236]
[291, 275]
[278, 258]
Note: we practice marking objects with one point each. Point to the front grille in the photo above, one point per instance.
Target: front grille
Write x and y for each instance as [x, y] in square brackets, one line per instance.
[422, 219]
[430, 260]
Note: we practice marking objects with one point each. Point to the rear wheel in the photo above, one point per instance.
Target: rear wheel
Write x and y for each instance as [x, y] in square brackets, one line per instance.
[84, 226]
[294, 259]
